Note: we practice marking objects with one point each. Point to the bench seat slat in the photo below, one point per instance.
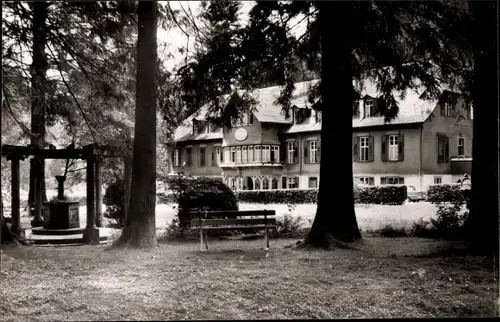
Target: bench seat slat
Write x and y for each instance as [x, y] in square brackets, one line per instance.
[234, 227]
[242, 213]
[216, 222]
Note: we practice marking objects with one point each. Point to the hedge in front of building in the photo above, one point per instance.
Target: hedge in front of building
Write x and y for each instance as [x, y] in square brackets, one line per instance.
[385, 195]
[445, 193]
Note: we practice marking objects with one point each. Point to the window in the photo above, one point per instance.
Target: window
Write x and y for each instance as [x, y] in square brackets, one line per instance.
[366, 180]
[227, 154]
[265, 184]
[257, 154]
[313, 147]
[218, 154]
[266, 153]
[176, 157]
[368, 107]
[238, 154]
[392, 180]
[448, 109]
[256, 184]
[232, 157]
[214, 160]
[291, 152]
[250, 154]
[313, 182]
[393, 148]
[438, 180]
[274, 183]
[461, 146]
[188, 156]
[202, 157]
[297, 116]
[244, 154]
[275, 155]
[355, 109]
[443, 148]
[364, 145]
[291, 183]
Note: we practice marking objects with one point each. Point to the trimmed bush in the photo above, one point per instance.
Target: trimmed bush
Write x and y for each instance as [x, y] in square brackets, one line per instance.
[114, 199]
[385, 195]
[382, 195]
[281, 196]
[445, 193]
[200, 194]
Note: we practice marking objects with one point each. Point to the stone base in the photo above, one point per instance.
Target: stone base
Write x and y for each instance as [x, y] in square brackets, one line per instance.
[91, 236]
[37, 223]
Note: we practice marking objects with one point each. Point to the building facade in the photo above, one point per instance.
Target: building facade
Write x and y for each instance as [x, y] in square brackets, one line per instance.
[429, 142]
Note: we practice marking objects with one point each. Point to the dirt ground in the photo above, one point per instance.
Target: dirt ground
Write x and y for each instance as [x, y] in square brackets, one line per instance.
[237, 279]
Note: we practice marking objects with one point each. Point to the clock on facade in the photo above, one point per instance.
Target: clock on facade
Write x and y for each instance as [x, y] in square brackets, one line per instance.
[240, 134]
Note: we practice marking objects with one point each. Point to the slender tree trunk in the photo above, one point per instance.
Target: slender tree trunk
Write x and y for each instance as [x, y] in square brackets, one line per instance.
[38, 77]
[482, 224]
[141, 232]
[335, 220]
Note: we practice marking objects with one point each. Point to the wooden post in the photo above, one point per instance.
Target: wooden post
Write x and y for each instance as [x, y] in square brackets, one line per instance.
[37, 220]
[15, 202]
[90, 233]
[206, 239]
[98, 192]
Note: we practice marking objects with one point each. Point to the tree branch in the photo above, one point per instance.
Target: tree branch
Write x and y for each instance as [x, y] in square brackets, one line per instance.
[72, 94]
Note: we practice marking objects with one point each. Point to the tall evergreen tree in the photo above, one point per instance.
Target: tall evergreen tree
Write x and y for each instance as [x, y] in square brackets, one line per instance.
[399, 46]
[140, 228]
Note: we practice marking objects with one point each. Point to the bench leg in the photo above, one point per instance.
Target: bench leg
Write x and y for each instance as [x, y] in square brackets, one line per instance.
[201, 240]
[266, 237]
[206, 240]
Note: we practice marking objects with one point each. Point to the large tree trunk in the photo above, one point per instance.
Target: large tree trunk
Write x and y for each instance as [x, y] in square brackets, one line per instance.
[482, 224]
[140, 226]
[335, 220]
[38, 108]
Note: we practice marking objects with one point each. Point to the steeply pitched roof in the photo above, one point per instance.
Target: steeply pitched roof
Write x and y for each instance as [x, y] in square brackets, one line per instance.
[412, 109]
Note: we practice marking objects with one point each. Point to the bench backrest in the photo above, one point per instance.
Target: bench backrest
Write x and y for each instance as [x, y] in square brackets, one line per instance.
[223, 218]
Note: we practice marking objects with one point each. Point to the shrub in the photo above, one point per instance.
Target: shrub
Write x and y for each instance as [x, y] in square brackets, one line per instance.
[290, 227]
[200, 194]
[386, 195]
[389, 231]
[280, 196]
[445, 193]
[448, 224]
[114, 199]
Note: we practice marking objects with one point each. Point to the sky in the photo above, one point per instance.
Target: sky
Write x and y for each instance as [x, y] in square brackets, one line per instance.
[175, 38]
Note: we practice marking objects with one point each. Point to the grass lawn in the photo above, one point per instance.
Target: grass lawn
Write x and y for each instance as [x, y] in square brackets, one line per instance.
[386, 278]
[370, 217]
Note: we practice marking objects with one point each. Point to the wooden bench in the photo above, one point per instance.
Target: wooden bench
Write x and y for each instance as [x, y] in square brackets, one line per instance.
[227, 220]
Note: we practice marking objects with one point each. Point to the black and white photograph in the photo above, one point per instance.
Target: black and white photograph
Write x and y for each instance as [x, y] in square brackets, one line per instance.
[274, 160]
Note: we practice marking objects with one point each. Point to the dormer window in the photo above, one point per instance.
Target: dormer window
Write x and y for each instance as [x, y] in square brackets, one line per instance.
[297, 117]
[355, 109]
[243, 119]
[368, 107]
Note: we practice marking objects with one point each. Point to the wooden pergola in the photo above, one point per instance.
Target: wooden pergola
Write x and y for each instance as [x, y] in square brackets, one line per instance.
[92, 153]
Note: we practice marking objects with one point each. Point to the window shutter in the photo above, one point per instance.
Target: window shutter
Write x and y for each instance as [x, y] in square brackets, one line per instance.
[283, 182]
[384, 147]
[173, 157]
[446, 149]
[383, 180]
[297, 182]
[306, 149]
[443, 113]
[401, 148]
[371, 146]
[283, 151]
[296, 153]
[371, 181]
[401, 180]
[319, 151]
[355, 151]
